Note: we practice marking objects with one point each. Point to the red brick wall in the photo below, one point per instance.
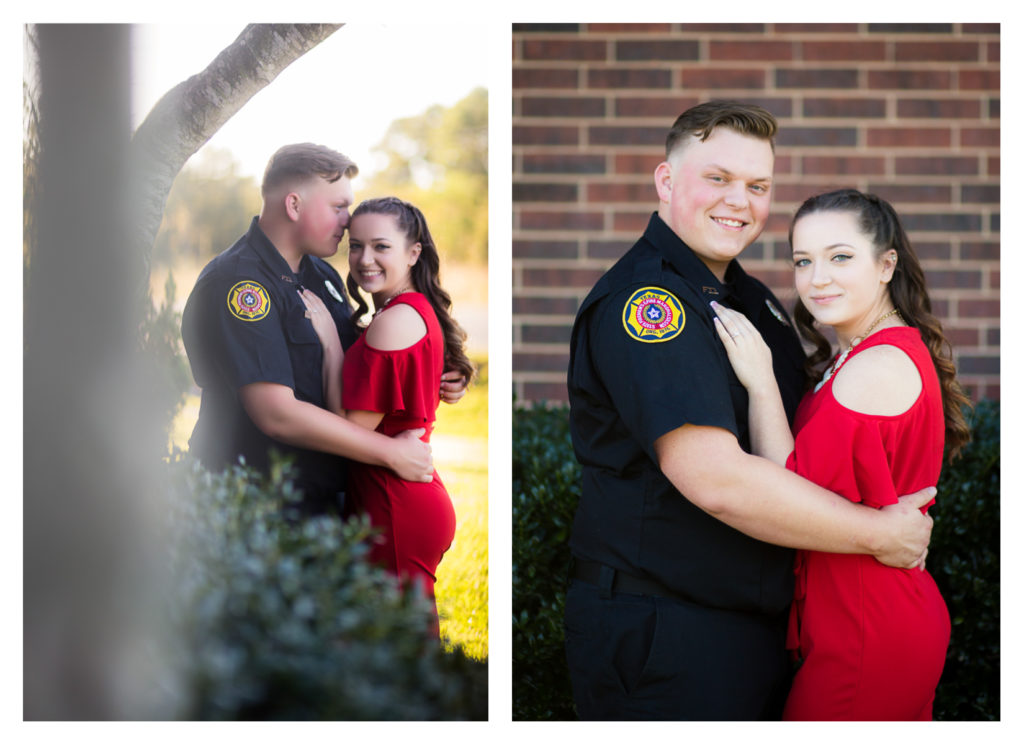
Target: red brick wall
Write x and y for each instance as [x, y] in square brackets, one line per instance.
[910, 112]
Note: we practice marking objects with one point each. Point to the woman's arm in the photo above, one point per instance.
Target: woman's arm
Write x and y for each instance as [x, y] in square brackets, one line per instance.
[282, 417]
[751, 358]
[334, 355]
[394, 329]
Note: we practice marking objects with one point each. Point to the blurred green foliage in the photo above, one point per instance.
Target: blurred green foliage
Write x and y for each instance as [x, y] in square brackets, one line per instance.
[167, 371]
[963, 558]
[438, 161]
[469, 417]
[545, 490]
[277, 617]
[208, 208]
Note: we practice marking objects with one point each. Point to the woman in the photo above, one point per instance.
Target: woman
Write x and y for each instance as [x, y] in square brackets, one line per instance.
[390, 377]
[872, 639]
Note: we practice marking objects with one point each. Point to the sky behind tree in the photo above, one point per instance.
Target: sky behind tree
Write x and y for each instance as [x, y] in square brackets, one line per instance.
[343, 93]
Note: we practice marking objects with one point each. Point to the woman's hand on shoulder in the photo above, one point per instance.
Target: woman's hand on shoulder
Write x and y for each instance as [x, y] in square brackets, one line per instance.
[397, 327]
[882, 381]
[320, 317]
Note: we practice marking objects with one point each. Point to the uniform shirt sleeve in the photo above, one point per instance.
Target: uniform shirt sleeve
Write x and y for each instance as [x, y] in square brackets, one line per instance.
[246, 333]
[659, 386]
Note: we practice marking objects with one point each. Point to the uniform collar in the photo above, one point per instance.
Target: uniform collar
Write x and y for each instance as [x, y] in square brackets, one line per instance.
[270, 256]
[688, 264]
[749, 293]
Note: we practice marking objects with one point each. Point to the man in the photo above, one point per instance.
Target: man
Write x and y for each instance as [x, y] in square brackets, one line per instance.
[677, 607]
[254, 352]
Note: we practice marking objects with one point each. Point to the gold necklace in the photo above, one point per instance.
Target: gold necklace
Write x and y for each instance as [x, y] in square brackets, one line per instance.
[388, 301]
[834, 367]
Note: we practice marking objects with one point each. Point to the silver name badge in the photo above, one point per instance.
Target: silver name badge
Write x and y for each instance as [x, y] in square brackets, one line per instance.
[776, 312]
[334, 291]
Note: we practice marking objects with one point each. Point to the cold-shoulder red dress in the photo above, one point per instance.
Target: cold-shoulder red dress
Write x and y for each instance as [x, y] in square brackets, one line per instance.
[872, 638]
[417, 520]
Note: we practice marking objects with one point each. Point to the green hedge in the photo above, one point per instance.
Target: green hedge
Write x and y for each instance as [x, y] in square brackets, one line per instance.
[963, 558]
[545, 489]
[275, 617]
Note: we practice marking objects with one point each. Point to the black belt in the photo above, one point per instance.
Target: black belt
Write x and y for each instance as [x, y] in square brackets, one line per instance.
[610, 579]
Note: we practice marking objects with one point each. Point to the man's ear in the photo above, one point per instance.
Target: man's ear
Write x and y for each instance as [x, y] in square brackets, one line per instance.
[292, 205]
[663, 180]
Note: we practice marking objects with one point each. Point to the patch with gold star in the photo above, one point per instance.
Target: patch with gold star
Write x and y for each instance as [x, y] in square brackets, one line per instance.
[248, 301]
[653, 315]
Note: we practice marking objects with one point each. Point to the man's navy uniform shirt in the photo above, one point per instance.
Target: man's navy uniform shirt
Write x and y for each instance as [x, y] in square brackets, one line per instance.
[645, 360]
[245, 323]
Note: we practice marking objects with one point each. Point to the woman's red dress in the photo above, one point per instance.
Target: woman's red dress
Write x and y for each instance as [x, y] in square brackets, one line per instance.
[417, 520]
[872, 638]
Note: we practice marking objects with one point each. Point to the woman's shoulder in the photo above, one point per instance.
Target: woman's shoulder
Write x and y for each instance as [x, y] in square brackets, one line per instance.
[881, 380]
[398, 326]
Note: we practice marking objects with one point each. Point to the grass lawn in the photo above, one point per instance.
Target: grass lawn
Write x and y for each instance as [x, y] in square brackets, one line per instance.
[460, 455]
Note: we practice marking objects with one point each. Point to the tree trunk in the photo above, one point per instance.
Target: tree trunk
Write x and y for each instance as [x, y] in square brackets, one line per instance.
[93, 439]
[79, 380]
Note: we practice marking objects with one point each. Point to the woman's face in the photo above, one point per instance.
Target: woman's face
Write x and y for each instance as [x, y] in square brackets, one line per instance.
[380, 257]
[838, 277]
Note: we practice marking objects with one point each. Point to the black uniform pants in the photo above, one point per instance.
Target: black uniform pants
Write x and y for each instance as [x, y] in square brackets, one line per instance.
[641, 657]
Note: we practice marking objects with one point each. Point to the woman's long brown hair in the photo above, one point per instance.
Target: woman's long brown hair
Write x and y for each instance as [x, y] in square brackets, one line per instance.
[878, 220]
[425, 278]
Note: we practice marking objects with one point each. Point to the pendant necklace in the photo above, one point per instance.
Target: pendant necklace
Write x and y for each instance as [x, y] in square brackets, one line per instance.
[834, 367]
[388, 301]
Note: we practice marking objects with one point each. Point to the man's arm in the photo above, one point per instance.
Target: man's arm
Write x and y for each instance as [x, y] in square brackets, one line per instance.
[767, 502]
[274, 409]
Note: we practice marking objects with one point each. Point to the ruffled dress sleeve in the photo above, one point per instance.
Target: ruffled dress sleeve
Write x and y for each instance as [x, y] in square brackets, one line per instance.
[403, 383]
[847, 453]
[868, 458]
[399, 382]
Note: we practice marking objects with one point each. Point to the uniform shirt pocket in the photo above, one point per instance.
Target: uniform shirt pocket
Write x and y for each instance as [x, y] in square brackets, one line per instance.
[306, 355]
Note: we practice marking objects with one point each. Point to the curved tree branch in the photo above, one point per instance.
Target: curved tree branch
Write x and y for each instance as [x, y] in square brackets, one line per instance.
[188, 115]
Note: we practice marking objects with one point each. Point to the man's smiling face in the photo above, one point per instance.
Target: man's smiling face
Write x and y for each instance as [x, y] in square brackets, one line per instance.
[716, 194]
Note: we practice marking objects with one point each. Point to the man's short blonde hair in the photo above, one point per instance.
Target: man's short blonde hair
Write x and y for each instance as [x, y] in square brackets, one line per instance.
[701, 120]
[302, 162]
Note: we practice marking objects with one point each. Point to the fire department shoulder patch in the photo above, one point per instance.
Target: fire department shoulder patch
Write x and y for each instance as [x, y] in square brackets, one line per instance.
[248, 301]
[653, 315]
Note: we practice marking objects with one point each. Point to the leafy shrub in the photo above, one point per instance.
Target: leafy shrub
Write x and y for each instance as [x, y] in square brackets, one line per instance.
[275, 616]
[545, 490]
[963, 558]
